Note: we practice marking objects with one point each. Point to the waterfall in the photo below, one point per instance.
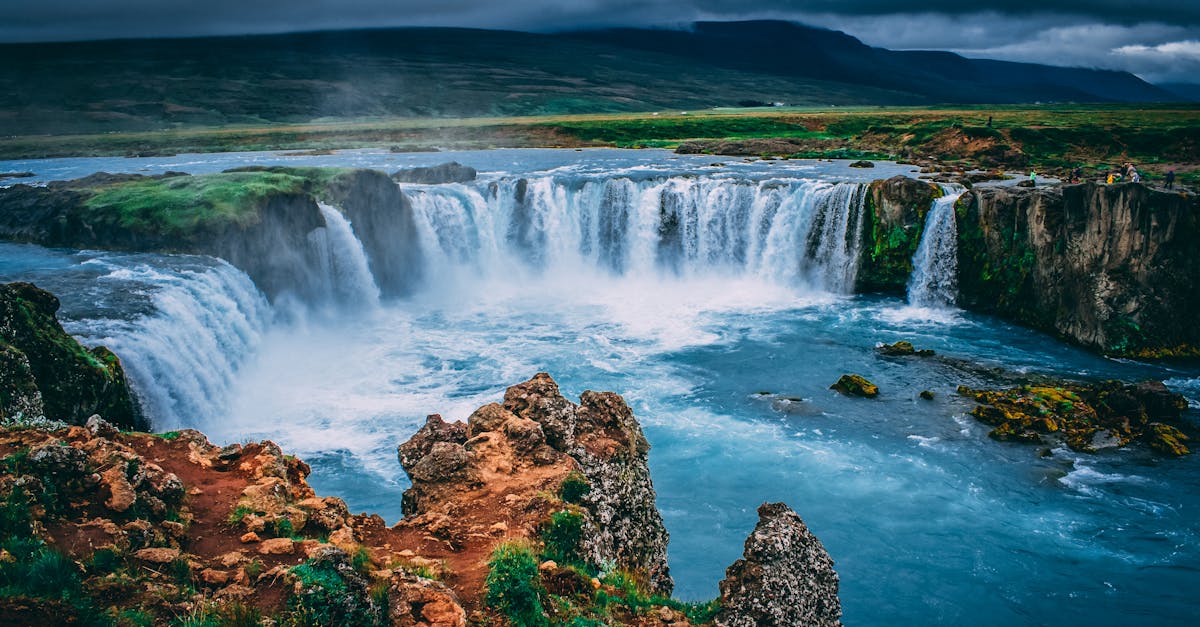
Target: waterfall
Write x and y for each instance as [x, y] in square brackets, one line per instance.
[934, 281]
[343, 271]
[182, 350]
[799, 233]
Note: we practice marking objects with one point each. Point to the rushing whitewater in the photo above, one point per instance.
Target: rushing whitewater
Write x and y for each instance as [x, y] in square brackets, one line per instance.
[716, 301]
[934, 280]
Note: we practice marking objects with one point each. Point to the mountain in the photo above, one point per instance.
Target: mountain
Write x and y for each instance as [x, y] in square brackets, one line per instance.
[790, 49]
[1188, 92]
[148, 84]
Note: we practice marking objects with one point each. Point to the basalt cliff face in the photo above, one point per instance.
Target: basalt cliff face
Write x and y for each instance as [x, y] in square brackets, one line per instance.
[1115, 268]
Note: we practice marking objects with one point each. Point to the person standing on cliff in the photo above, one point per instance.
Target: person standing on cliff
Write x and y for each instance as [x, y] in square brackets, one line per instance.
[1170, 179]
[1033, 177]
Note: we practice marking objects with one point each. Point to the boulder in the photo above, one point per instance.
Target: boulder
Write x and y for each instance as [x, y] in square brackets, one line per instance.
[157, 556]
[862, 164]
[855, 385]
[452, 172]
[785, 576]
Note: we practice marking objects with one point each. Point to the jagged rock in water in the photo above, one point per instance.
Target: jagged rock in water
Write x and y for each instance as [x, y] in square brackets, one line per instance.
[603, 436]
[1086, 417]
[44, 372]
[452, 172]
[862, 164]
[785, 577]
[855, 385]
[901, 349]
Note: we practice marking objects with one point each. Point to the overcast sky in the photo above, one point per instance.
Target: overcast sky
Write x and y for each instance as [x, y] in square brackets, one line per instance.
[1157, 39]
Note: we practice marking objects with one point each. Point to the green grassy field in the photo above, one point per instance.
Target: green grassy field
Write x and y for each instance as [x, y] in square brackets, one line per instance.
[1052, 138]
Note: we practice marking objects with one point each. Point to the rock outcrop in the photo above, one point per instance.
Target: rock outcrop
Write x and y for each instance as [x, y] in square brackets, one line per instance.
[1115, 268]
[785, 577]
[508, 453]
[170, 525]
[451, 172]
[896, 210]
[46, 373]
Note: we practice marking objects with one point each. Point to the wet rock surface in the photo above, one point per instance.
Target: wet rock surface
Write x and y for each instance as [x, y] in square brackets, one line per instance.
[855, 385]
[451, 172]
[785, 576]
[1085, 417]
[46, 373]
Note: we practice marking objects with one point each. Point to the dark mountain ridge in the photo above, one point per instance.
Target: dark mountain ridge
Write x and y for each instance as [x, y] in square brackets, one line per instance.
[150, 84]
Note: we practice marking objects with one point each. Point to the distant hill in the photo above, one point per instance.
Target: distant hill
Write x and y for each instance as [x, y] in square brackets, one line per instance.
[451, 72]
[1188, 92]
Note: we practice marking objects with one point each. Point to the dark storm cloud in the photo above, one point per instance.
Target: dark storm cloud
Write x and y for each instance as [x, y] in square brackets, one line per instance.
[1155, 38]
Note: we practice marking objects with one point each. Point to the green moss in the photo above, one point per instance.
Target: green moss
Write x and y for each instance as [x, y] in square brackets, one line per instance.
[178, 205]
[514, 586]
[326, 599]
[574, 487]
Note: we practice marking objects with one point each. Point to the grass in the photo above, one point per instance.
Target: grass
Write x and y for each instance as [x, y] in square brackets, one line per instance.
[514, 586]
[179, 205]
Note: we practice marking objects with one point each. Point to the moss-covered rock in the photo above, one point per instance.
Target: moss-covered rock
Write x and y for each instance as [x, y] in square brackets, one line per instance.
[896, 211]
[47, 373]
[1084, 417]
[855, 385]
[902, 349]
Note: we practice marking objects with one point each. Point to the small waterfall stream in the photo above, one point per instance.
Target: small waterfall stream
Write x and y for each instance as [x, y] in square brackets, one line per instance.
[934, 280]
[344, 272]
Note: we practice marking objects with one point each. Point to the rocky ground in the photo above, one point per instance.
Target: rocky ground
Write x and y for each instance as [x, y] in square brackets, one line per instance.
[537, 511]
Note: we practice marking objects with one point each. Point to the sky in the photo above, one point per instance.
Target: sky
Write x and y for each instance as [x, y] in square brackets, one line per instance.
[1158, 40]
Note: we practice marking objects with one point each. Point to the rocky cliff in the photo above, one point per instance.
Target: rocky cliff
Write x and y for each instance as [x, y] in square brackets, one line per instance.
[1115, 268]
[258, 219]
[537, 438]
[896, 210]
[534, 512]
[45, 373]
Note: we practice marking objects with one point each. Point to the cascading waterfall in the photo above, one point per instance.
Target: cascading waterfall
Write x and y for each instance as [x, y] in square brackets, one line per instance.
[934, 281]
[344, 275]
[182, 356]
[795, 232]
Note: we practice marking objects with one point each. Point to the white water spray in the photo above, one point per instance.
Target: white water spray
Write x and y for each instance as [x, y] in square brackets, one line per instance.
[796, 233]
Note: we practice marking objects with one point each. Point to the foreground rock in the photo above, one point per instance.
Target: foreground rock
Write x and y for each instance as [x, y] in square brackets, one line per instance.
[1086, 417]
[171, 525]
[46, 373]
[785, 576]
[152, 525]
[504, 455]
